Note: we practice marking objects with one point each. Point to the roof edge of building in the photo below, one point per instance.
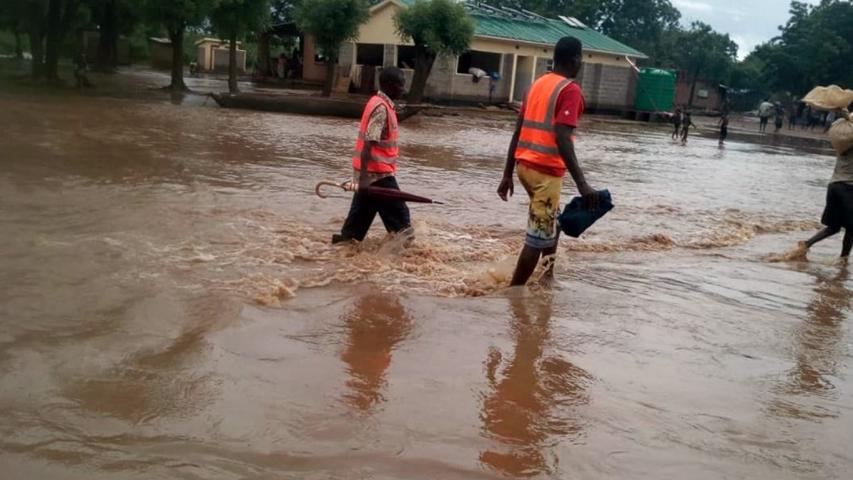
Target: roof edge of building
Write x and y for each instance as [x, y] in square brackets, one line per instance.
[639, 54]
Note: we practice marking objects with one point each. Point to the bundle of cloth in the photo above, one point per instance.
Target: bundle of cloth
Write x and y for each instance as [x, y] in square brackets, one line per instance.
[839, 100]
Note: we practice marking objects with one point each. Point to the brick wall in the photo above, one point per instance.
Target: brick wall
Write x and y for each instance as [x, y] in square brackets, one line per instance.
[607, 87]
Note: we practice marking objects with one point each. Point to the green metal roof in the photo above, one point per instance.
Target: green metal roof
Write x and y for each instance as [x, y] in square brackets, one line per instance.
[524, 26]
[548, 32]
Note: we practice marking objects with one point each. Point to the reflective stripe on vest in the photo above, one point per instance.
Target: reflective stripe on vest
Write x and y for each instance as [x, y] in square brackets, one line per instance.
[385, 152]
[537, 142]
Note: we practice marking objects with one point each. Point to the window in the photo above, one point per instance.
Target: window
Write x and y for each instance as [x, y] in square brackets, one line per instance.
[371, 54]
[703, 93]
[486, 61]
[406, 56]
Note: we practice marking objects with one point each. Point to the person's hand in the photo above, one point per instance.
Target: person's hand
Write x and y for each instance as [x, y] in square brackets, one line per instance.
[363, 183]
[506, 187]
[590, 196]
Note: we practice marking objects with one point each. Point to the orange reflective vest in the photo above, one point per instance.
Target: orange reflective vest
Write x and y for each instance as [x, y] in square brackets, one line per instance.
[537, 142]
[385, 152]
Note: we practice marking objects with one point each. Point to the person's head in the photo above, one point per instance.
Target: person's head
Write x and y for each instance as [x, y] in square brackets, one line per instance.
[568, 56]
[392, 81]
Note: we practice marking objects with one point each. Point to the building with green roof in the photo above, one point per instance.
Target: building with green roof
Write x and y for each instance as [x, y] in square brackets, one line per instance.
[512, 46]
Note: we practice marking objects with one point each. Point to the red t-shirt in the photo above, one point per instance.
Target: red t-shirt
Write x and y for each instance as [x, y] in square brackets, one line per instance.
[570, 105]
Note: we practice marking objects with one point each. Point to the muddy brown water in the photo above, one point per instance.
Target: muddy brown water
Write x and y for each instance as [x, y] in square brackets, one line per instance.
[171, 309]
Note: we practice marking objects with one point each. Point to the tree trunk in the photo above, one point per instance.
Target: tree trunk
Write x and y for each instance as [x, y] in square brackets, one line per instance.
[35, 30]
[264, 54]
[693, 87]
[424, 60]
[177, 39]
[232, 62]
[108, 38]
[331, 70]
[19, 49]
[54, 40]
[37, 51]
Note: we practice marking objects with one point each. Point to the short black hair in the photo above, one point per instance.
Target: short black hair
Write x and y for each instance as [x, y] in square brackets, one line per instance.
[391, 75]
[567, 50]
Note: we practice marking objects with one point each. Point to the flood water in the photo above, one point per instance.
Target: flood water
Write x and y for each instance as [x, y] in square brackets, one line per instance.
[171, 307]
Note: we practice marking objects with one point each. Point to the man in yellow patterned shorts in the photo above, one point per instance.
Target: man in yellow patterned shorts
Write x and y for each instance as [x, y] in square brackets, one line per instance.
[543, 148]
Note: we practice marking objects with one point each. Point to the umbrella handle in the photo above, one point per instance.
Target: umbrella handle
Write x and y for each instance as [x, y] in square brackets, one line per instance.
[345, 186]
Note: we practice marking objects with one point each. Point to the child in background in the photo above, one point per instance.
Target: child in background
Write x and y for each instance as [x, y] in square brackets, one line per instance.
[685, 127]
[676, 122]
[724, 128]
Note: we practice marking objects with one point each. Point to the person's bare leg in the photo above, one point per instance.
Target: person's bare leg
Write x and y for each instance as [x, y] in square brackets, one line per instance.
[821, 235]
[550, 252]
[847, 245]
[527, 261]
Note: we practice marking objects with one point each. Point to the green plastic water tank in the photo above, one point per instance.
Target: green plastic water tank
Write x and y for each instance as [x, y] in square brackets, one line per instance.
[655, 90]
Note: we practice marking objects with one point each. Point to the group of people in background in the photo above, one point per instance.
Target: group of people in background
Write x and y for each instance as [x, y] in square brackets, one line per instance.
[681, 121]
[798, 114]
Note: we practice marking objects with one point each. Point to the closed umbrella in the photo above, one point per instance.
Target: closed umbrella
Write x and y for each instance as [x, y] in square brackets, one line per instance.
[376, 192]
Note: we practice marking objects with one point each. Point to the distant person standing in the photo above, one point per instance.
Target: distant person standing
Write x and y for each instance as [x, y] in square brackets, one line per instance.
[685, 127]
[374, 163]
[676, 123]
[724, 128]
[764, 111]
[780, 117]
[792, 117]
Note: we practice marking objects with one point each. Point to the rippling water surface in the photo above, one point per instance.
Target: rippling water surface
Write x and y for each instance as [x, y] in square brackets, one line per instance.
[171, 307]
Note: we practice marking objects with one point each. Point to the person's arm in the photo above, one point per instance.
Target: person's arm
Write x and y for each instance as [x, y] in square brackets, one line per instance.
[375, 127]
[506, 186]
[567, 150]
[366, 159]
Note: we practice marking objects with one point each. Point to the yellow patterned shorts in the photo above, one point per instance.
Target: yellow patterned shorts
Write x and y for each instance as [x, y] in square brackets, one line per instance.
[544, 192]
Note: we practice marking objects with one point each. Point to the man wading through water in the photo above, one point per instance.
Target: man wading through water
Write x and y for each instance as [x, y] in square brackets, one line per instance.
[543, 146]
[374, 163]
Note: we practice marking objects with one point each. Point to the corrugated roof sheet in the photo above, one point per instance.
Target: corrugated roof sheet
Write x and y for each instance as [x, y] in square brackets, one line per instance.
[528, 27]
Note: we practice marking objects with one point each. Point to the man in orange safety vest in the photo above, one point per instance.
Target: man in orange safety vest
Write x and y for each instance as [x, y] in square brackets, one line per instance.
[543, 148]
[374, 162]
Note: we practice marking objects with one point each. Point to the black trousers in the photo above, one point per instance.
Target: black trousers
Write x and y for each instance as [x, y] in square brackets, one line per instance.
[363, 210]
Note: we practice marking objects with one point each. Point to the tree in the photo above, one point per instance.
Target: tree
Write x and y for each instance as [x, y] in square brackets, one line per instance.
[638, 23]
[61, 15]
[282, 11]
[703, 53]
[176, 16]
[113, 18]
[814, 48]
[236, 18]
[11, 18]
[436, 27]
[331, 23]
[29, 16]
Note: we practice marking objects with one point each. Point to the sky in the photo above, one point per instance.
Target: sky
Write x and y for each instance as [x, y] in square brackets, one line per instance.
[748, 22]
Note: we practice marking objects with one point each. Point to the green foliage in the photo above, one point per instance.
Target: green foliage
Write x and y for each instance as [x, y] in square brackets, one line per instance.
[332, 22]
[638, 23]
[177, 15]
[240, 16]
[440, 26]
[815, 48]
[702, 52]
[7, 43]
[126, 13]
